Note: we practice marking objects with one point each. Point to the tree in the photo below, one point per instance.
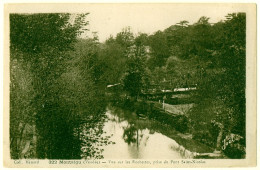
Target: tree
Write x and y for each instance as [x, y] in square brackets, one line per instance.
[159, 49]
[41, 42]
[141, 39]
[233, 51]
[125, 37]
[203, 21]
[186, 41]
[183, 23]
[27, 31]
[220, 98]
[135, 79]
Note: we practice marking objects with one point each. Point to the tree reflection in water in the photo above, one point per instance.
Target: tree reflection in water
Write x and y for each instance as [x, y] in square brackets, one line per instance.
[93, 138]
[130, 134]
[133, 132]
[134, 136]
[139, 134]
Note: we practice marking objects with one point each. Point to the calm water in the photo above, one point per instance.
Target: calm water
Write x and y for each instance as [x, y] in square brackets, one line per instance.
[114, 133]
[133, 139]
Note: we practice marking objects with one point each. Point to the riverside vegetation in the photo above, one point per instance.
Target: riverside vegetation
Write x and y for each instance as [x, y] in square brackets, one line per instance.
[58, 82]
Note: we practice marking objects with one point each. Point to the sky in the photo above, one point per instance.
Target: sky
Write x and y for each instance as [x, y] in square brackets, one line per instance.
[109, 19]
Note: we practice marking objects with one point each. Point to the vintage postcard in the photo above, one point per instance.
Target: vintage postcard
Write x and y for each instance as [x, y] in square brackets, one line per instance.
[129, 85]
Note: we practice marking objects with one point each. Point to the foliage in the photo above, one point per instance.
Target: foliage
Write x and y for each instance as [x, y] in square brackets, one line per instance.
[212, 57]
[27, 31]
[112, 54]
[125, 38]
[221, 93]
[135, 78]
[159, 49]
[21, 97]
[49, 72]
[57, 78]
[233, 51]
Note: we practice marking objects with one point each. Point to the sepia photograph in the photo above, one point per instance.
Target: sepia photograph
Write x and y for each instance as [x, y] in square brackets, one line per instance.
[130, 85]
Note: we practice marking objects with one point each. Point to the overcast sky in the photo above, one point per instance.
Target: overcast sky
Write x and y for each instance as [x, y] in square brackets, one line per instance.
[109, 19]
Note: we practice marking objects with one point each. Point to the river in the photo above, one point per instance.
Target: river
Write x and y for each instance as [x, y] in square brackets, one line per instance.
[132, 142]
[112, 132]
[131, 137]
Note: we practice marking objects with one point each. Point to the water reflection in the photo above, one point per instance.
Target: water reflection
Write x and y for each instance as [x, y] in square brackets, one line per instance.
[107, 133]
[134, 141]
[130, 134]
[93, 138]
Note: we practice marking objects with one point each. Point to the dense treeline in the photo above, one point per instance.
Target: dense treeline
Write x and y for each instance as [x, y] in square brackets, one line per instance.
[57, 78]
[53, 84]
